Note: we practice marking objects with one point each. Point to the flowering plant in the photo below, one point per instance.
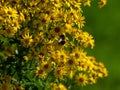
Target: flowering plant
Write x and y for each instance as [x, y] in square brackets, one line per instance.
[42, 45]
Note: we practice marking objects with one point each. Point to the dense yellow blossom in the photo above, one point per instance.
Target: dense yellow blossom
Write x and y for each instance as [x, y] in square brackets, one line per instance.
[49, 35]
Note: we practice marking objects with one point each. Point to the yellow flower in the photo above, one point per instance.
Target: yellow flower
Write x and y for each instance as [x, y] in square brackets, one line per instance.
[56, 29]
[45, 18]
[38, 38]
[40, 58]
[49, 46]
[61, 58]
[46, 66]
[59, 72]
[53, 58]
[102, 3]
[10, 32]
[85, 39]
[80, 21]
[87, 3]
[54, 86]
[77, 54]
[25, 58]
[82, 79]
[1, 19]
[94, 75]
[82, 66]
[71, 73]
[21, 17]
[91, 80]
[104, 72]
[68, 27]
[11, 12]
[16, 25]
[27, 40]
[71, 63]
[40, 72]
[17, 87]
[61, 87]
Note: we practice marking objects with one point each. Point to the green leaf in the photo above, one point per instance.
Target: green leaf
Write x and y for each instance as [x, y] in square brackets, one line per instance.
[75, 42]
[69, 36]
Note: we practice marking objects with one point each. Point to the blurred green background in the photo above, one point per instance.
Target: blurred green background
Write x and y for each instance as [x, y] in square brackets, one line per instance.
[104, 25]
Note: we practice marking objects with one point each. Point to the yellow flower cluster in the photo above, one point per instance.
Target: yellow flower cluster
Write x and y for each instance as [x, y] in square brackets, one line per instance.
[52, 31]
[9, 20]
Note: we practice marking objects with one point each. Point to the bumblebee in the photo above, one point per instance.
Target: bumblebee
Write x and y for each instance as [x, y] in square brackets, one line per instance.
[62, 37]
[61, 40]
